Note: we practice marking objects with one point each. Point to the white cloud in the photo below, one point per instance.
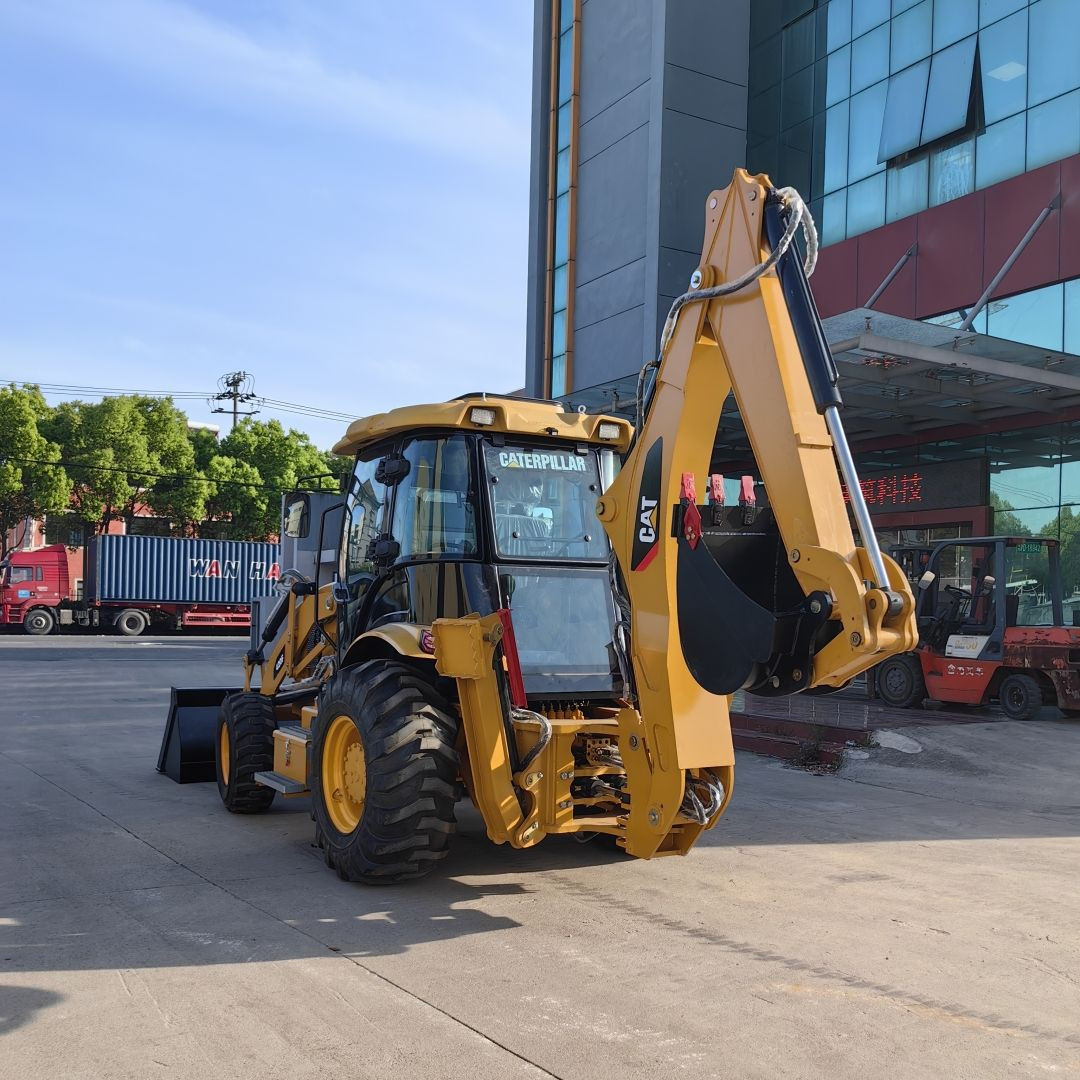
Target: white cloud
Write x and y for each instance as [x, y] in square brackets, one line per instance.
[177, 47]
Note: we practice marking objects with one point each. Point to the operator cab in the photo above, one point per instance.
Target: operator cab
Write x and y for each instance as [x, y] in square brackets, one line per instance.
[976, 588]
[451, 522]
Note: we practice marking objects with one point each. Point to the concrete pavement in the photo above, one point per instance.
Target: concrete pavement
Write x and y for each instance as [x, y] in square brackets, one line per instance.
[912, 916]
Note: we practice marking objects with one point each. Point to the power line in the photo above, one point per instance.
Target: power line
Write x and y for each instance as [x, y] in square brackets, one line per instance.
[270, 404]
[186, 477]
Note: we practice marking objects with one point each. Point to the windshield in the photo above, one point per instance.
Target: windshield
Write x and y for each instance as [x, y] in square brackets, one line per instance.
[1027, 578]
[544, 502]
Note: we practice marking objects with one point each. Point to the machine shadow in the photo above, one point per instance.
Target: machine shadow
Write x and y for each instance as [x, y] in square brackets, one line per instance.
[18, 1005]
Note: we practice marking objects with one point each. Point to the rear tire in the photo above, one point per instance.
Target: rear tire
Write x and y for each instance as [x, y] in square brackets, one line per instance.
[245, 746]
[40, 622]
[900, 681]
[132, 622]
[1020, 696]
[383, 773]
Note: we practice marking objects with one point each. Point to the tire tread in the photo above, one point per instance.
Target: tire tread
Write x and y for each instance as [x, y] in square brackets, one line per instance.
[408, 732]
[251, 738]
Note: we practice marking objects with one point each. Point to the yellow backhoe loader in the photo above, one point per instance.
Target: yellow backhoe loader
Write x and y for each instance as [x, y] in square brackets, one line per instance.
[534, 608]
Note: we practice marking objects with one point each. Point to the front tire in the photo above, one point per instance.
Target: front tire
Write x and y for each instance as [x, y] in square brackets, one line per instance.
[383, 773]
[900, 681]
[1020, 696]
[39, 622]
[245, 746]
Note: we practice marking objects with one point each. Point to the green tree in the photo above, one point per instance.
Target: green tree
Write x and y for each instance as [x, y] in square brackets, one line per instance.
[1067, 528]
[130, 452]
[237, 503]
[282, 459]
[337, 467]
[1006, 522]
[31, 484]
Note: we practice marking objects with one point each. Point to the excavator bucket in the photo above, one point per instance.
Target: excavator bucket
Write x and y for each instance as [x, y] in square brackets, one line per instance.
[187, 747]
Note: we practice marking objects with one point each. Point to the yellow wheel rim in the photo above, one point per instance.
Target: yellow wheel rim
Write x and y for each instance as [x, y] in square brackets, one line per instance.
[223, 751]
[344, 774]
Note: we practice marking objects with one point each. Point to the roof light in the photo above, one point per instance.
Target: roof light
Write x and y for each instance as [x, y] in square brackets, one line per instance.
[608, 431]
[485, 417]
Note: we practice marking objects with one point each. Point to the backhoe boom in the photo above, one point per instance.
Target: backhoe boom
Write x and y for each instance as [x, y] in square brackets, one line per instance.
[697, 632]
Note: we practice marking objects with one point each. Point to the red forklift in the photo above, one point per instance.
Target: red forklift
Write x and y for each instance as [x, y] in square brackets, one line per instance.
[991, 628]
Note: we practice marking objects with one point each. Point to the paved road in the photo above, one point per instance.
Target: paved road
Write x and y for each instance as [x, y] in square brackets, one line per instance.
[915, 917]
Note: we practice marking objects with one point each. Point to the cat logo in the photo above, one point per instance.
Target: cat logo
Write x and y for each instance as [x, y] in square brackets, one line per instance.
[647, 517]
[645, 539]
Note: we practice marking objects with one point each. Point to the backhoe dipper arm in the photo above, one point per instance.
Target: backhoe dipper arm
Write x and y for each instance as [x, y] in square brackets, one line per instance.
[695, 636]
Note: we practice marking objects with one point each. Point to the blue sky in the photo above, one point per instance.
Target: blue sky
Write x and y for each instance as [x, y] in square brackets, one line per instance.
[329, 194]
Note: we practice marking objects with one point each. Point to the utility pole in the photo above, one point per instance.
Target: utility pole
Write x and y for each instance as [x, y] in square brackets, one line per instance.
[238, 387]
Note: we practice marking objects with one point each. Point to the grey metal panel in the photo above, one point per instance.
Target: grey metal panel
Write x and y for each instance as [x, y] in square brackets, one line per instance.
[710, 37]
[700, 95]
[612, 193]
[609, 294]
[163, 569]
[677, 266]
[663, 306]
[698, 157]
[608, 349]
[615, 122]
[615, 51]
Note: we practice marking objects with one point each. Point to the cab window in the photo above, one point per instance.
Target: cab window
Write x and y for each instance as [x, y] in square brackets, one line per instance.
[434, 505]
[544, 503]
[365, 511]
[20, 573]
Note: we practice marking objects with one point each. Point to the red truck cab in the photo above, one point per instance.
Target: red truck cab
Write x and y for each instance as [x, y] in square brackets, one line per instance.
[32, 585]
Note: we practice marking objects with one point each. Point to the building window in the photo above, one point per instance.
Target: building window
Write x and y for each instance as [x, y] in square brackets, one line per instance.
[911, 36]
[952, 172]
[949, 92]
[1033, 318]
[563, 181]
[1053, 130]
[954, 19]
[901, 129]
[999, 151]
[906, 191]
[1003, 51]
[1054, 58]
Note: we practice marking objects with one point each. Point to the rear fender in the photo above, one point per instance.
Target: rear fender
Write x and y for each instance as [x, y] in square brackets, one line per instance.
[388, 642]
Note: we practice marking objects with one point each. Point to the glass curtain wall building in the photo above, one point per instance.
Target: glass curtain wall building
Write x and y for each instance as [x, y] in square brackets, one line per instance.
[939, 144]
[883, 108]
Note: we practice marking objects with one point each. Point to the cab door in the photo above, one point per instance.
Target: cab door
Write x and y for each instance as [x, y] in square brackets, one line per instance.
[362, 561]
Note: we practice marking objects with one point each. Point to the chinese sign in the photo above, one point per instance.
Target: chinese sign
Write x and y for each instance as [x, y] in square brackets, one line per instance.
[894, 489]
[936, 486]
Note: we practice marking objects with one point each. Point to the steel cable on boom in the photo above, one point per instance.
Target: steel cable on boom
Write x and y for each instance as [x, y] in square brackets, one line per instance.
[799, 216]
[703, 795]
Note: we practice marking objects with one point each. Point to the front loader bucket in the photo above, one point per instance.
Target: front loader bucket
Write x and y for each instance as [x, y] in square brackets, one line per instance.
[187, 748]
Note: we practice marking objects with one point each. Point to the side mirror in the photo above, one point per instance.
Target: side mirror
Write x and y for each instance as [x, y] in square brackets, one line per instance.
[927, 580]
[297, 516]
[392, 469]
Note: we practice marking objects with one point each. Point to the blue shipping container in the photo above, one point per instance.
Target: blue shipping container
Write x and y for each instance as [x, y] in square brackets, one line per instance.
[167, 570]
